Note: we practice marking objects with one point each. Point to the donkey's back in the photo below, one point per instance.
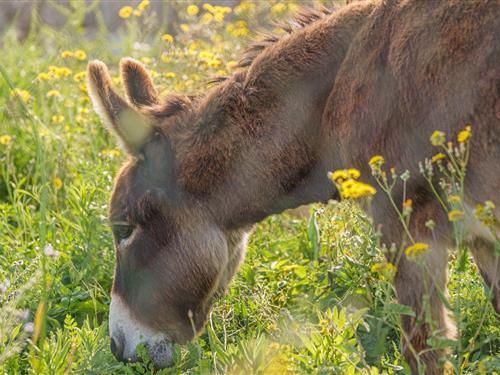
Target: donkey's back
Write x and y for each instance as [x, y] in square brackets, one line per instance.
[413, 68]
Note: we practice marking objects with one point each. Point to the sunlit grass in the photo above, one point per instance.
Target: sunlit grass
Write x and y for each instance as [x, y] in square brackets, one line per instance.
[314, 294]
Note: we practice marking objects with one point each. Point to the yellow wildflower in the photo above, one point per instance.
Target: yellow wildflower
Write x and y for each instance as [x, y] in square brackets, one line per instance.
[206, 18]
[21, 94]
[137, 12]
[170, 75]
[354, 189]
[278, 8]
[167, 38]
[339, 175]
[80, 54]
[438, 156]
[143, 5]
[125, 11]
[454, 199]
[219, 17]
[417, 249]
[383, 268]
[57, 183]
[455, 215]
[437, 138]
[184, 27]
[192, 10]
[354, 173]
[62, 71]
[485, 213]
[5, 139]
[465, 134]
[80, 76]
[111, 153]
[44, 76]
[408, 203]
[57, 119]
[83, 88]
[66, 54]
[53, 93]
[376, 160]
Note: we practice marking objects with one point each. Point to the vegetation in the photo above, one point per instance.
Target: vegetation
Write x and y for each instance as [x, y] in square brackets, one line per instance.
[314, 294]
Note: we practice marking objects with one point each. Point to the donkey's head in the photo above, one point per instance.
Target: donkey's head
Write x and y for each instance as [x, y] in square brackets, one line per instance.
[171, 257]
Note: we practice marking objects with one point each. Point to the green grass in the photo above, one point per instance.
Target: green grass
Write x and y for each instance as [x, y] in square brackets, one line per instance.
[305, 300]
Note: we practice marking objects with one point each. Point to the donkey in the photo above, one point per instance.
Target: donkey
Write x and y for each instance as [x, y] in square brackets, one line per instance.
[374, 77]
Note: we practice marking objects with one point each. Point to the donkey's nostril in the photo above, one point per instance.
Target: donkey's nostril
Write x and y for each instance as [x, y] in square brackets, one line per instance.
[117, 348]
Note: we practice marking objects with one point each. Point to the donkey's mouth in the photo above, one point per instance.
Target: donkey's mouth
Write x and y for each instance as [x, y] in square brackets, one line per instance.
[127, 334]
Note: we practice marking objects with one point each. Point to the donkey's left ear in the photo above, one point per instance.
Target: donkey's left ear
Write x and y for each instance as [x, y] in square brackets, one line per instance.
[129, 124]
[138, 84]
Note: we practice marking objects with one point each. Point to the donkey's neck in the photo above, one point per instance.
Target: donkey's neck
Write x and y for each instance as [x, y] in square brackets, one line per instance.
[258, 149]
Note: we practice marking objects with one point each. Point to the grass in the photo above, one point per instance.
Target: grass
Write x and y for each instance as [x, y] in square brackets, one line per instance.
[307, 298]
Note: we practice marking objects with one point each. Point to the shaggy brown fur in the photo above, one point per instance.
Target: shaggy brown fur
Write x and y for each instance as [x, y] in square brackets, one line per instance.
[375, 77]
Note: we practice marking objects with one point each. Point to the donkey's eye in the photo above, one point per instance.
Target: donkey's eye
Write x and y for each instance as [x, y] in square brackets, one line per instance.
[122, 231]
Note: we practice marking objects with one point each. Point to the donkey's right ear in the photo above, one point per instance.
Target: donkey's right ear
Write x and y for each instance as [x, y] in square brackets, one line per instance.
[131, 126]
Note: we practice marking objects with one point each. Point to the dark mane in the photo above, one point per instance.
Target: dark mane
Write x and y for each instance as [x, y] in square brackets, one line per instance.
[304, 16]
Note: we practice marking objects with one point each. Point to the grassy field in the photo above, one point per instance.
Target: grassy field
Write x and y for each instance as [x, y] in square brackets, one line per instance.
[311, 296]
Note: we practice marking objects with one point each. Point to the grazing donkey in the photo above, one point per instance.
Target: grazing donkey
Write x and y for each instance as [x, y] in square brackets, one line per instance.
[375, 77]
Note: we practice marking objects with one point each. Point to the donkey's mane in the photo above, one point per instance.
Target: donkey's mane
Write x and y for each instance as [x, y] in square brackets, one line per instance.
[304, 16]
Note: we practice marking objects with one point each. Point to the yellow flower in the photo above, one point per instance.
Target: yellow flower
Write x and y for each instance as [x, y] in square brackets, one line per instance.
[383, 268]
[417, 249]
[80, 54]
[137, 12]
[57, 183]
[354, 189]
[62, 71]
[170, 75]
[66, 54]
[219, 17]
[454, 199]
[167, 38]
[465, 134]
[407, 203]
[52, 93]
[83, 88]
[57, 119]
[485, 214]
[278, 8]
[339, 175]
[438, 156]
[44, 76]
[111, 153]
[437, 138]
[184, 27]
[125, 11]
[455, 215]
[80, 76]
[5, 139]
[376, 160]
[143, 5]
[21, 94]
[354, 173]
[192, 10]
[206, 18]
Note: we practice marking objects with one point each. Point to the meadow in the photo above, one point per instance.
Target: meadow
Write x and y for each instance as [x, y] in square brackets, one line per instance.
[314, 294]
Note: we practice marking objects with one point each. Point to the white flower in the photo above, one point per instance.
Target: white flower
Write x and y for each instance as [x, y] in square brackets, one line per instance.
[50, 252]
[29, 327]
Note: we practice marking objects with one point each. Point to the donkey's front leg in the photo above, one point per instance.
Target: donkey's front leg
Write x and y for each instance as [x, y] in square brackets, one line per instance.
[421, 284]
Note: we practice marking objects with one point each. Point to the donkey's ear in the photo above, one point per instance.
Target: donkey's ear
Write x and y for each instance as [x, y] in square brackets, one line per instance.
[130, 125]
[137, 82]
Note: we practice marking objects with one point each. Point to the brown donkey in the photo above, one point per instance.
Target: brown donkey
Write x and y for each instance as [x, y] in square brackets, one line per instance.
[375, 77]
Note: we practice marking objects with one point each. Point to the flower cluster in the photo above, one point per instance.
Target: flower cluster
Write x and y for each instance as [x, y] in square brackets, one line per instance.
[349, 188]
